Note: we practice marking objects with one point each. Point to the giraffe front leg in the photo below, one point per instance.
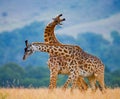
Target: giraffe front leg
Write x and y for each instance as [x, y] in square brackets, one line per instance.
[53, 79]
[71, 79]
[74, 83]
[74, 79]
[100, 79]
[66, 83]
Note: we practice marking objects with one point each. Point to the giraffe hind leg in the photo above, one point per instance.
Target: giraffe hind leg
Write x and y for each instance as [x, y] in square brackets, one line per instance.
[100, 79]
[92, 82]
[82, 85]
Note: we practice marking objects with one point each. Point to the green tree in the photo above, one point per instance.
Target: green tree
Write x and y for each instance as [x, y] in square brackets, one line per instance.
[11, 74]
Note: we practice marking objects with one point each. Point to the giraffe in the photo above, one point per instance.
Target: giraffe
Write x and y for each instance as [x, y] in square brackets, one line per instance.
[78, 61]
[55, 62]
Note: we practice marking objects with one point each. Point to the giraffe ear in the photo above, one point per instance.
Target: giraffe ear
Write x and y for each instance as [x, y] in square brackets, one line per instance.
[53, 19]
[26, 43]
[63, 19]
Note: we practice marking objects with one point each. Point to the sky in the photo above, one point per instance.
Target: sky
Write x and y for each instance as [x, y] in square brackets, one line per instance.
[99, 16]
[102, 26]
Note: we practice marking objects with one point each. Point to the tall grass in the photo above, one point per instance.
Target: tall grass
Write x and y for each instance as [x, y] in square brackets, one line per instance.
[44, 93]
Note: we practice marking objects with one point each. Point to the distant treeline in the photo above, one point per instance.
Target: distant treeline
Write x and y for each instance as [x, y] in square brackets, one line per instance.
[13, 75]
[12, 44]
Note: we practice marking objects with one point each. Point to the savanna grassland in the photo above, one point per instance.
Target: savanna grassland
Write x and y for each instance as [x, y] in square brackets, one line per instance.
[44, 93]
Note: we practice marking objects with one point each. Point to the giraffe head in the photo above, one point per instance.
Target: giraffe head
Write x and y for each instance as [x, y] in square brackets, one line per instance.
[57, 20]
[28, 50]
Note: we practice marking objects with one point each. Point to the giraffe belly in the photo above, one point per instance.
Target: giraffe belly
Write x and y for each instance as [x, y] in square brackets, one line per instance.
[63, 70]
[84, 73]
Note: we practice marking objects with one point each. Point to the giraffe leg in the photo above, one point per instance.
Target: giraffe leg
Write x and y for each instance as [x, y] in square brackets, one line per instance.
[74, 82]
[79, 85]
[92, 81]
[53, 73]
[73, 77]
[69, 80]
[82, 85]
[53, 78]
[66, 83]
[100, 79]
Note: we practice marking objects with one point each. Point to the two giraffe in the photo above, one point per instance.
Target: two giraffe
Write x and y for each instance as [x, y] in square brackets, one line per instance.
[77, 62]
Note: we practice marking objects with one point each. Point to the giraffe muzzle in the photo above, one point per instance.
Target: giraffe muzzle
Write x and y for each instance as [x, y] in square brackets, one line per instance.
[63, 19]
[26, 43]
[24, 57]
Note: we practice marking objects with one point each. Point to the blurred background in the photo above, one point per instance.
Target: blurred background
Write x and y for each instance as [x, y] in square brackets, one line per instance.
[94, 25]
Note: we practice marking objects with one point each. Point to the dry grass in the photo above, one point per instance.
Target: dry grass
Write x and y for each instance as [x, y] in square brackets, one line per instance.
[43, 93]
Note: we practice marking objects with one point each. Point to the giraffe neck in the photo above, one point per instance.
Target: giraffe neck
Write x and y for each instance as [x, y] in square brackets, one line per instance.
[49, 36]
[56, 50]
